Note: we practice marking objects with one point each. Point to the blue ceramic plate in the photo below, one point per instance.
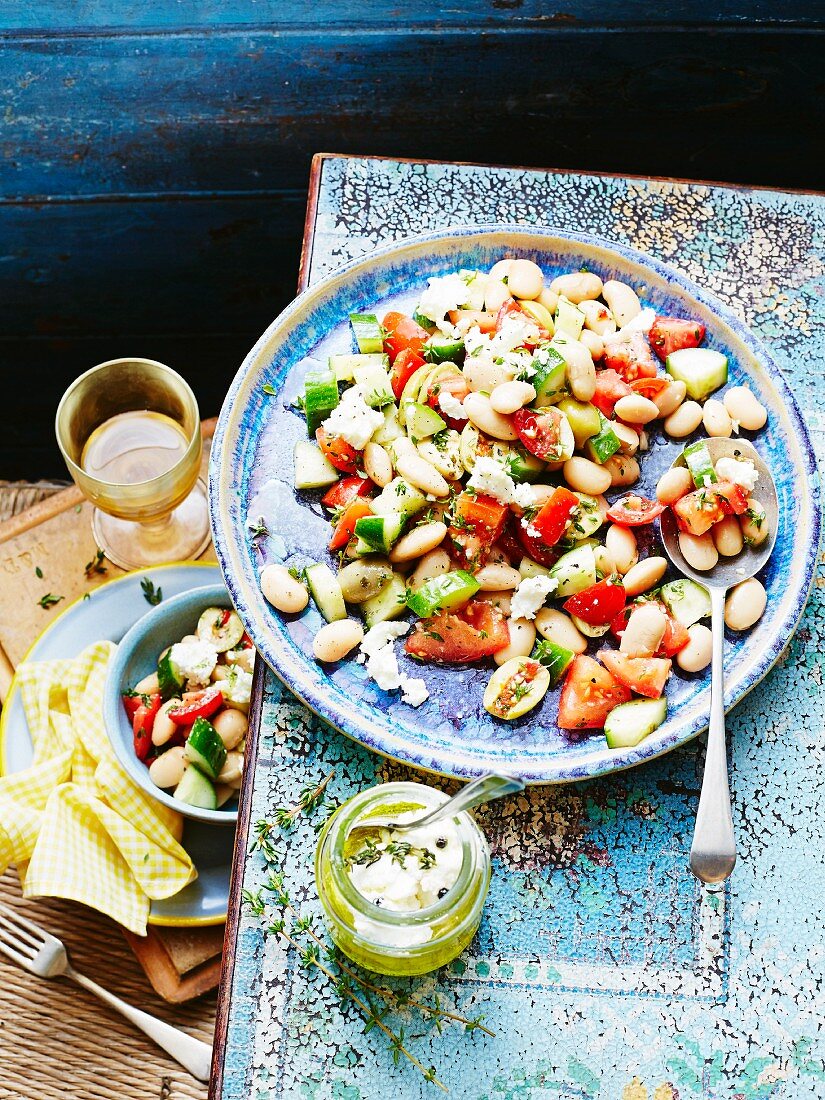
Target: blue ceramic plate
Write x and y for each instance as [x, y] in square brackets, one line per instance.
[251, 475]
[110, 612]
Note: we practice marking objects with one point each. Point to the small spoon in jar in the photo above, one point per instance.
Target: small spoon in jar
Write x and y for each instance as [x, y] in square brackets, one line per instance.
[713, 852]
[484, 789]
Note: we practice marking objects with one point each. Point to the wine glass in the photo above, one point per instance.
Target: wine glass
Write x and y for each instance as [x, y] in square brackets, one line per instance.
[129, 431]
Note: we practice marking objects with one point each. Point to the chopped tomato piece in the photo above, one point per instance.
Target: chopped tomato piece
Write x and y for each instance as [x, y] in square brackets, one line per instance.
[342, 456]
[477, 630]
[511, 308]
[486, 322]
[551, 521]
[245, 642]
[456, 386]
[142, 722]
[404, 367]
[669, 334]
[610, 386]
[197, 704]
[650, 387]
[131, 704]
[400, 333]
[676, 636]
[634, 511]
[733, 498]
[645, 675]
[631, 358]
[533, 545]
[345, 527]
[589, 694]
[345, 490]
[598, 604]
[698, 511]
[541, 432]
[478, 521]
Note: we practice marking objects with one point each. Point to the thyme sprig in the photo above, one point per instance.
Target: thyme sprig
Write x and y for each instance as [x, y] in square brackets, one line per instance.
[95, 565]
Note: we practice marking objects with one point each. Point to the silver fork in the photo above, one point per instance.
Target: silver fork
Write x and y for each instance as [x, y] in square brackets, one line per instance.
[27, 944]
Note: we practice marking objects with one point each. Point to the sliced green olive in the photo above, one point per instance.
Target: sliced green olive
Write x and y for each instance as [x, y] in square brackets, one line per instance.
[364, 578]
[220, 627]
[519, 685]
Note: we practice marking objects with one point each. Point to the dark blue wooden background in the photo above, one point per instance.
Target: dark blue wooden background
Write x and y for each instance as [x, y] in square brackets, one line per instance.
[155, 154]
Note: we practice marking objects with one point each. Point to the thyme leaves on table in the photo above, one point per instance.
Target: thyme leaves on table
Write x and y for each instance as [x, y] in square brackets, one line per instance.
[49, 600]
[95, 566]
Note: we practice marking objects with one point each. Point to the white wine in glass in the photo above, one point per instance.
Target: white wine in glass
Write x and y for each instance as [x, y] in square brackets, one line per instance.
[129, 431]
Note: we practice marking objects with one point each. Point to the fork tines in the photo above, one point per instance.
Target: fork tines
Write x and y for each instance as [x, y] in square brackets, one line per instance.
[20, 939]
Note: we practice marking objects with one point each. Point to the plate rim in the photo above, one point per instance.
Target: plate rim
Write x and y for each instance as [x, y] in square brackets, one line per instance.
[335, 715]
[158, 920]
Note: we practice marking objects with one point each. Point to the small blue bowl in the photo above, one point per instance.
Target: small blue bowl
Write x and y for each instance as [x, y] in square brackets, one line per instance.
[136, 657]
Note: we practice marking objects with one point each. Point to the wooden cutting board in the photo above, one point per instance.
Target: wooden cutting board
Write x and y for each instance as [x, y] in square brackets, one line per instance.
[55, 536]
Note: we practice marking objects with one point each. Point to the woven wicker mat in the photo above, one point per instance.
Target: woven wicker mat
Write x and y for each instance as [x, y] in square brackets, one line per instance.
[57, 1040]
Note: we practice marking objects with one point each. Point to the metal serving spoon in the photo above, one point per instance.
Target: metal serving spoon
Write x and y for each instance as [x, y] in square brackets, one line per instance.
[713, 852]
[484, 789]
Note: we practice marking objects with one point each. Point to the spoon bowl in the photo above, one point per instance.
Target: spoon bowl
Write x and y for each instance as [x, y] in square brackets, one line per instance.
[713, 852]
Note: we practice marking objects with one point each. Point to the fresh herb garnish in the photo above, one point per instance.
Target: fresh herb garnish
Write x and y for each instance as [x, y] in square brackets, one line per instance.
[38, 572]
[269, 390]
[95, 565]
[49, 600]
[151, 594]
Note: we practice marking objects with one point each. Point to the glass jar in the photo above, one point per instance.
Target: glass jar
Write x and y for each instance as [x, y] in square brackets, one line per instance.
[387, 941]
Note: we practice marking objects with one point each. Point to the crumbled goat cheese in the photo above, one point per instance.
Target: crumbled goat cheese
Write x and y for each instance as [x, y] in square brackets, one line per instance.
[382, 663]
[490, 477]
[475, 340]
[442, 296]
[530, 595]
[237, 687]
[451, 406]
[642, 322]
[514, 332]
[742, 472]
[353, 420]
[195, 661]
[524, 495]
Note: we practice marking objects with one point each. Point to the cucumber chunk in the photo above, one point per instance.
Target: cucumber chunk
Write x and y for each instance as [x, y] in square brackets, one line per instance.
[375, 385]
[698, 461]
[575, 571]
[687, 601]
[443, 349]
[390, 603]
[422, 421]
[398, 496]
[204, 748]
[380, 532]
[522, 466]
[170, 677]
[529, 568]
[326, 591]
[344, 366]
[220, 627]
[569, 319]
[196, 790]
[312, 468]
[550, 379]
[630, 723]
[320, 398]
[368, 334]
[604, 444]
[555, 658]
[588, 629]
[701, 369]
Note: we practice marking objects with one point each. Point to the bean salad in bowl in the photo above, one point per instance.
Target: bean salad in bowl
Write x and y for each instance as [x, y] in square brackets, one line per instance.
[464, 452]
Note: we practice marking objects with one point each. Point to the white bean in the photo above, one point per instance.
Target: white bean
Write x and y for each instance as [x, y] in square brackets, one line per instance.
[421, 540]
[481, 373]
[586, 476]
[597, 318]
[644, 575]
[525, 279]
[522, 638]
[431, 565]
[699, 551]
[377, 465]
[593, 342]
[578, 286]
[335, 640]
[669, 399]
[495, 295]
[282, 590]
[167, 769]
[716, 420]
[498, 578]
[604, 561]
[622, 547]
[231, 726]
[623, 469]
[744, 407]
[481, 413]
[644, 631]
[163, 727]
[698, 652]
[745, 604]
[148, 685]
[623, 301]
[501, 600]
[510, 396]
[581, 373]
[219, 672]
[684, 420]
[423, 475]
[754, 523]
[559, 628]
[232, 769]
[727, 536]
[644, 441]
[626, 435]
[549, 299]
[674, 484]
[636, 409]
[500, 269]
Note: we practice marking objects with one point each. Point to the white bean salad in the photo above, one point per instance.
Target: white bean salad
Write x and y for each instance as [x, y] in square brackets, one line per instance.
[189, 717]
[464, 453]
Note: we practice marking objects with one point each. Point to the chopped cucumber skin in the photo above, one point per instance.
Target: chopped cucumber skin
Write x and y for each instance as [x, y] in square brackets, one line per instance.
[196, 790]
[312, 468]
[701, 369]
[601, 446]
[522, 466]
[569, 319]
[698, 461]
[687, 601]
[204, 748]
[398, 496]
[550, 379]
[320, 398]
[629, 724]
[381, 532]
[443, 593]
[443, 349]
[583, 418]
[390, 603]
[170, 678]
[367, 331]
[422, 421]
[555, 659]
[575, 571]
[326, 591]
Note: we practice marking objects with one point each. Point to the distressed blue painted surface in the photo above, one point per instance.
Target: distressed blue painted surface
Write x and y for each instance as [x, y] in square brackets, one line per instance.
[606, 972]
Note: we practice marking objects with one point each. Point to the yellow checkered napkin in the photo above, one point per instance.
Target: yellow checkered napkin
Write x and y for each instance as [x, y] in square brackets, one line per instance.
[74, 822]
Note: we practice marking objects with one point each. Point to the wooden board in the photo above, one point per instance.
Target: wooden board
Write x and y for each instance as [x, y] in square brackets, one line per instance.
[55, 536]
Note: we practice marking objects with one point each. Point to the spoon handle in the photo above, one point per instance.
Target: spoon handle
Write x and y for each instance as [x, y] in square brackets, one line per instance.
[713, 852]
[483, 789]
